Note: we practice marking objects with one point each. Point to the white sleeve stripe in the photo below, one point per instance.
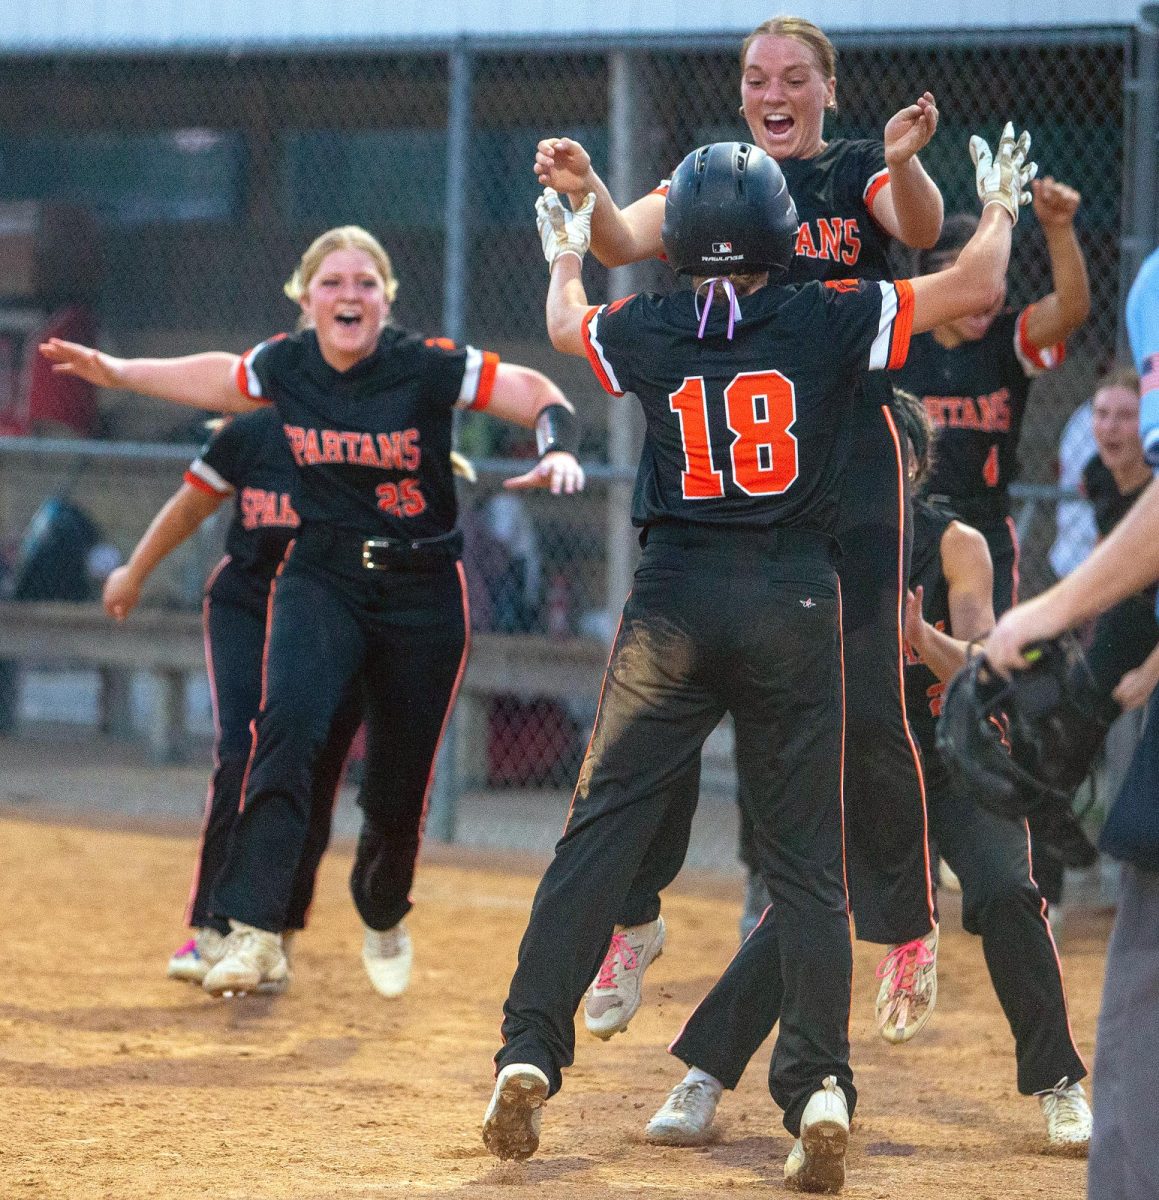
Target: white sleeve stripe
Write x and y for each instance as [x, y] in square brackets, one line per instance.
[879, 351]
[872, 180]
[1047, 359]
[471, 374]
[593, 335]
[207, 474]
[252, 382]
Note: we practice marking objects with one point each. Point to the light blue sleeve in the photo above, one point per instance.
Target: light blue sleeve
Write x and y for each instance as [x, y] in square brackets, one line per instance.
[1143, 331]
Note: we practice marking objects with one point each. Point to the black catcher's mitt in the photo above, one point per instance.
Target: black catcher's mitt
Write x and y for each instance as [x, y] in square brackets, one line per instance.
[1020, 746]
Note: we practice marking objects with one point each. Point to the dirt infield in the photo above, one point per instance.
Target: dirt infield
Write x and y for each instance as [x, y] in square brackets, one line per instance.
[117, 1084]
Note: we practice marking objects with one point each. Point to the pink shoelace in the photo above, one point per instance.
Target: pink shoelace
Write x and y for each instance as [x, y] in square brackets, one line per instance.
[190, 947]
[618, 951]
[903, 963]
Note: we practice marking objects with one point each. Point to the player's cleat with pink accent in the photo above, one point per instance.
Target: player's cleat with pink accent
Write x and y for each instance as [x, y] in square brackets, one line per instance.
[685, 1118]
[615, 994]
[511, 1123]
[1068, 1119]
[387, 957]
[192, 962]
[252, 961]
[816, 1162]
[909, 988]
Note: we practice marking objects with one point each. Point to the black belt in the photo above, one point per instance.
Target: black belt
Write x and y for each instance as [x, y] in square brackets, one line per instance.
[781, 542]
[344, 548]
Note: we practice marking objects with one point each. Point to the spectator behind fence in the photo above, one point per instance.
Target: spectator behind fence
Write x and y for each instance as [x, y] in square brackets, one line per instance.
[1074, 519]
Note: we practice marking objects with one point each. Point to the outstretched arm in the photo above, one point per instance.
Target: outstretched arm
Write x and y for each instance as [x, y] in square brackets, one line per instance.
[974, 284]
[1056, 316]
[180, 515]
[1125, 561]
[198, 380]
[618, 235]
[910, 207]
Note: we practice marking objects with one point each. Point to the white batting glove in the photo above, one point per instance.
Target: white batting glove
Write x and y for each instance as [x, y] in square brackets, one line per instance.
[1004, 178]
[560, 230]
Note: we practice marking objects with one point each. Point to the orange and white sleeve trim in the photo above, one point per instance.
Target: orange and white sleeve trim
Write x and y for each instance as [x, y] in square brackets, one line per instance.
[873, 186]
[246, 378]
[590, 332]
[478, 379]
[891, 346]
[1035, 359]
[204, 478]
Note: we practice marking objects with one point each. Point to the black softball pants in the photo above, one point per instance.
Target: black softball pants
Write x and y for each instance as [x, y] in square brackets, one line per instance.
[1000, 902]
[404, 632]
[234, 615]
[885, 813]
[718, 621]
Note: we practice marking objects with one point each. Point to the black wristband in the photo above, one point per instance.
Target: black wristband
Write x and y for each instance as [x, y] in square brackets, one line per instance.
[556, 428]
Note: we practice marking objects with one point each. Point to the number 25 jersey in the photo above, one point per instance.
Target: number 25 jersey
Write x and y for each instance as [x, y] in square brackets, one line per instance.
[752, 431]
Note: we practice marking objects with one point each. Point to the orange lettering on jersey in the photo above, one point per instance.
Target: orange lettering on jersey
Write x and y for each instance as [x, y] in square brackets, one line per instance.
[934, 694]
[310, 451]
[443, 343]
[410, 454]
[296, 436]
[262, 509]
[806, 247]
[331, 446]
[830, 230]
[367, 455]
[350, 445]
[852, 251]
[989, 413]
[390, 451]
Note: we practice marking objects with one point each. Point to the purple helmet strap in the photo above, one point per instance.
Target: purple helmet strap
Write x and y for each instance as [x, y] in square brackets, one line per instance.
[733, 303]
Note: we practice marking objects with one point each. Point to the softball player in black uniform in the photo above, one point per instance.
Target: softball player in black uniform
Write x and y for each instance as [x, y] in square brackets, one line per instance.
[950, 570]
[852, 197]
[974, 376]
[373, 585]
[248, 460]
[735, 608]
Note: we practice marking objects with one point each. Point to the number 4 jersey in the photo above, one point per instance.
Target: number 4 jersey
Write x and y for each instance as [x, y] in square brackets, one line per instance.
[755, 430]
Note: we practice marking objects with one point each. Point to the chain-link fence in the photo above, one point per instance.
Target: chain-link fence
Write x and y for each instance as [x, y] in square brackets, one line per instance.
[166, 199]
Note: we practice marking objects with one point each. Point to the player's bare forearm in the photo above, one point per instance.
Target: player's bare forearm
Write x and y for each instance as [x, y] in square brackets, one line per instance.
[942, 653]
[198, 380]
[627, 235]
[176, 521]
[1123, 563]
[567, 302]
[521, 393]
[1056, 316]
[974, 284]
[916, 202]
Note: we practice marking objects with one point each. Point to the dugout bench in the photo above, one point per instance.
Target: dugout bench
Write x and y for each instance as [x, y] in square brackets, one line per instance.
[168, 644]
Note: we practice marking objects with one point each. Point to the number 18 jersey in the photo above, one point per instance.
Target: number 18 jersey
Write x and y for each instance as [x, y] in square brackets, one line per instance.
[752, 431]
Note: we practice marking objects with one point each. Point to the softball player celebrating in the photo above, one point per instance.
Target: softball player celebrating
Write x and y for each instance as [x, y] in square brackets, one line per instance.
[1000, 901]
[246, 459]
[734, 608]
[852, 197]
[974, 376]
[373, 585]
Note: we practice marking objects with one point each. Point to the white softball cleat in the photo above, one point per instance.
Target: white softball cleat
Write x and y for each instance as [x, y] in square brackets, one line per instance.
[909, 988]
[685, 1118]
[1068, 1119]
[192, 962]
[511, 1123]
[615, 994]
[816, 1162]
[252, 961]
[387, 956]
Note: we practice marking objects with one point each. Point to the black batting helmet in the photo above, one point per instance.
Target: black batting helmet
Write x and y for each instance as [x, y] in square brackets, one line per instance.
[729, 212]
